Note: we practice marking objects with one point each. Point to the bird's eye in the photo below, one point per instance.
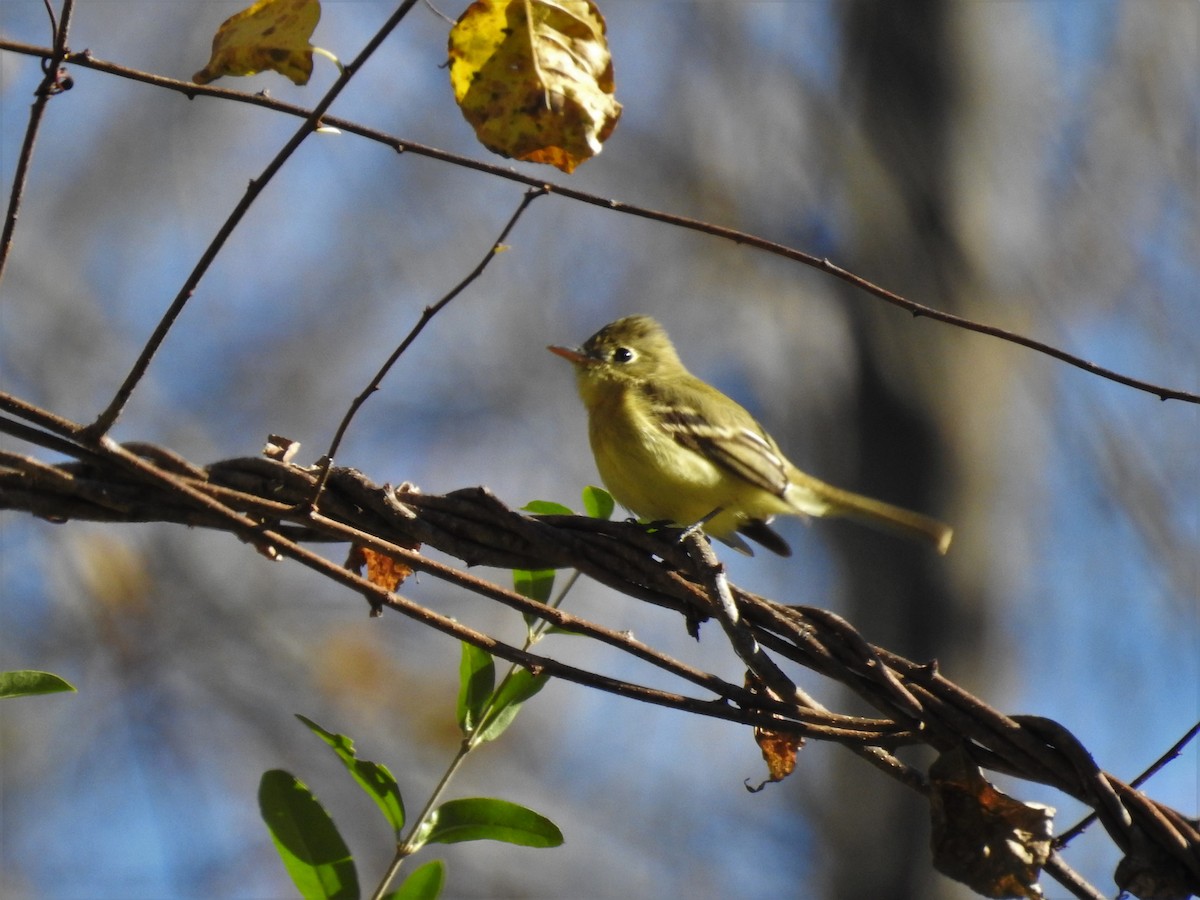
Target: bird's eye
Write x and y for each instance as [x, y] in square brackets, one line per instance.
[622, 355]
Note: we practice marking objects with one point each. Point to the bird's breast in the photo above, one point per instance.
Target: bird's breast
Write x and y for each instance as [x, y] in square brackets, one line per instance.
[644, 467]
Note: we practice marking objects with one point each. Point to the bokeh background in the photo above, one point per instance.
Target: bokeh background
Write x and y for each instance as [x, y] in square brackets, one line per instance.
[1033, 164]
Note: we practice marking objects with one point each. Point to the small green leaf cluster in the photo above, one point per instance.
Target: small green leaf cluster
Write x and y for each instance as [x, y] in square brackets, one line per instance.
[311, 847]
[309, 843]
[485, 711]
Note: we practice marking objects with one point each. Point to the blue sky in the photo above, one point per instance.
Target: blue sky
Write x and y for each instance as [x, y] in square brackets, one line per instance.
[1081, 536]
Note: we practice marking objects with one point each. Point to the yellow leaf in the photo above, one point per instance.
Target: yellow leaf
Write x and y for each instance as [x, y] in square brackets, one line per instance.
[271, 34]
[535, 79]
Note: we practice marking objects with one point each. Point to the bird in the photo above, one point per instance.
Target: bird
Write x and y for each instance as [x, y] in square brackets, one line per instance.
[673, 449]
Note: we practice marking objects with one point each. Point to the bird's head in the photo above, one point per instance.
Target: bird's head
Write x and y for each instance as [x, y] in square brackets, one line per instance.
[630, 349]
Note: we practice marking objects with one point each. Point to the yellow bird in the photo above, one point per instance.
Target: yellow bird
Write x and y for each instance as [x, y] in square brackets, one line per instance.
[672, 448]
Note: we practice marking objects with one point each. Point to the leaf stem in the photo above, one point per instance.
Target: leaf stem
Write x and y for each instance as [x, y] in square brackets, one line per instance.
[471, 740]
[412, 843]
[321, 51]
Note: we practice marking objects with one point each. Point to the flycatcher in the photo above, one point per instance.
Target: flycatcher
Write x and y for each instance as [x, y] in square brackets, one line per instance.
[672, 448]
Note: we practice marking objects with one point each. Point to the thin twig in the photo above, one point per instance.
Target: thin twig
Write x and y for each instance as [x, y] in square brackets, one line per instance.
[429, 312]
[54, 82]
[402, 145]
[311, 122]
[1173, 753]
[50, 13]
[1057, 869]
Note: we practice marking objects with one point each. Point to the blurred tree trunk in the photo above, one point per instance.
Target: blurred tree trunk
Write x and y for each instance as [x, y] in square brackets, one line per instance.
[900, 76]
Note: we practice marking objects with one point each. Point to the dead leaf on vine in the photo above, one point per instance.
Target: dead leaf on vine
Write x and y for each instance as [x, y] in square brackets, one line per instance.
[535, 78]
[1149, 871]
[382, 570]
[271, 34]
[779, 750]
[987, 840]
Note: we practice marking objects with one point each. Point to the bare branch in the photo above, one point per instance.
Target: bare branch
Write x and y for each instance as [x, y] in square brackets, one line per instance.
[426, 316]
[261, 501]
[55, 82]
[312, 121]
[402, 145]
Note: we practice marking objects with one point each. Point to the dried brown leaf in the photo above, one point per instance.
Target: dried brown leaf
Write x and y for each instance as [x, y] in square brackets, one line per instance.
[982, 837]
[382, 570]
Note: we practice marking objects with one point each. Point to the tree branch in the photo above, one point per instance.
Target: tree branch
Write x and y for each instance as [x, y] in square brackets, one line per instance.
[54, 82]
[401, 145]
[312, 120]
[428, 313]
[262, 500]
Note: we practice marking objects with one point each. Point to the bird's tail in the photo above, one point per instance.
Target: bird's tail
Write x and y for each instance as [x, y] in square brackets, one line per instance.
[819, 499]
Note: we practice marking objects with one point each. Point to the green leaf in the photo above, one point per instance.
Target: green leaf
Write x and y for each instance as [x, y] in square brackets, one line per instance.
[536, 584]
[597, 502]
[373, 778]
[476, 680]
[308, 842]
[27, 682]
[515, 690]
[547, 508]
[425, 883]
[489, 819]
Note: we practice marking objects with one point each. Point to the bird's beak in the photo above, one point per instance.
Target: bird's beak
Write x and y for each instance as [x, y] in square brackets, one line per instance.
[572, 356]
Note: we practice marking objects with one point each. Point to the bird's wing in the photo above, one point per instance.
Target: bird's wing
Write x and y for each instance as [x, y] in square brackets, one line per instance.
[740, 446]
